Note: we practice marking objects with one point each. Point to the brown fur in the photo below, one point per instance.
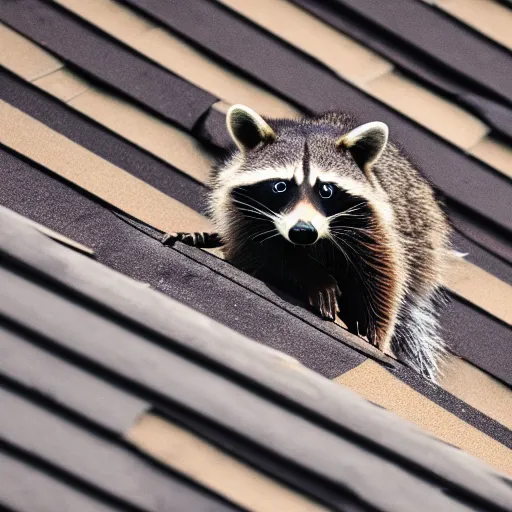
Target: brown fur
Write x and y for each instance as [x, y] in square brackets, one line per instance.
[385, 266]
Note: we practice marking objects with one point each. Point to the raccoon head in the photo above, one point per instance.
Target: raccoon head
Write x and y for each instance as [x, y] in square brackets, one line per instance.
[296, 177]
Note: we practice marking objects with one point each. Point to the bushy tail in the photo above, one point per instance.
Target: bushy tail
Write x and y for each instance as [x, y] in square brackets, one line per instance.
[417, 341]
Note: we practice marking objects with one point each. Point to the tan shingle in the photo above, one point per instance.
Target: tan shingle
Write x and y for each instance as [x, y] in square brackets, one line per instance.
[216, 470]
[376, 384]
[475, 387]
[340, 53]
[146, 131]
[23, 57]
[62, 84]
[74, 163]
[487, 16]
[111, 17]
[432, 111]
[495, 153]
[174, 54]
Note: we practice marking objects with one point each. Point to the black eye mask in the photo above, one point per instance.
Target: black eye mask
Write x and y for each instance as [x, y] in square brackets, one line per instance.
[268, 196]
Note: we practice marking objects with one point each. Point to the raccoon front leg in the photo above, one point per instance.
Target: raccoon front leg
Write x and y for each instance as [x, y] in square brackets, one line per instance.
[322, 294]
[321, 288]
[307, 279]
[199, 240]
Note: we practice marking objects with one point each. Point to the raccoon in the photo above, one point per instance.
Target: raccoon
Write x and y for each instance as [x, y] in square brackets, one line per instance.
[333, 213]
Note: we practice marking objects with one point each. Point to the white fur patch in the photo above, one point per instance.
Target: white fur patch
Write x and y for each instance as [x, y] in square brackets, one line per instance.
[313, 174]
[421, 346]
[305, 212]
[299, 175]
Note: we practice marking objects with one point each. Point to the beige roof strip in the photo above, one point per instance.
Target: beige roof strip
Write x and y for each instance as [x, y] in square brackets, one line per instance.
[481, 289]
[131, 122]
[46, 147]
[340, 53]
[111, 17]
[25, 58]
[495, 153]
[146, 131]
[63, 84]
[489, 17]
[376, 384]
[221, 106]
[479, 390]
[195, 67]
[354, 63]
[161, 46]
[204, 463]
[432, 111]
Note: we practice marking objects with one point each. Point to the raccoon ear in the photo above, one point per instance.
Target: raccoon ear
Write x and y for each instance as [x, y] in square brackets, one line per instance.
[366, 143]
[247, 128]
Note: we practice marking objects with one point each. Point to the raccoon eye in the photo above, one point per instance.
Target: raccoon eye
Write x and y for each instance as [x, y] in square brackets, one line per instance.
[279, 187]
[326, 191]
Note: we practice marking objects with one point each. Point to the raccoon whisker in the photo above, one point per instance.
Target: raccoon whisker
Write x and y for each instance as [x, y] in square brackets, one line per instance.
[354, 228]
[314, 259]
[352, 236]
[352, 232]
[272, 215]
[367, 226]
[370, 246]
[349, 215]
[336, 239]
[262, 233]
[345, 255]
[347, 229]
[257, 202]
[358, 241]
[252, 208]
[352, 209]
[355, 207]
[269, 237]
[347, 212]
[267, 210]
[255, 217]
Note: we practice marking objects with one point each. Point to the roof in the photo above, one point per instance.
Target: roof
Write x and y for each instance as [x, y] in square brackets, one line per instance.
[112, 113]
[211, 406]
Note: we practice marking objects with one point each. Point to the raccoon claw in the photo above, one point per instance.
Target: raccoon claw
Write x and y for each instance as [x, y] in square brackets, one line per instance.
[324, 300]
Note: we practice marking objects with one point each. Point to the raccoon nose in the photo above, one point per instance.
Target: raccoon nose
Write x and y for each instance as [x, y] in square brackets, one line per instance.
[303, 233]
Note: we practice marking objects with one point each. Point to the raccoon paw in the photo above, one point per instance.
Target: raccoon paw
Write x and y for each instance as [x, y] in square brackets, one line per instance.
[324, 299]
[200, 240]
[169, 239]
